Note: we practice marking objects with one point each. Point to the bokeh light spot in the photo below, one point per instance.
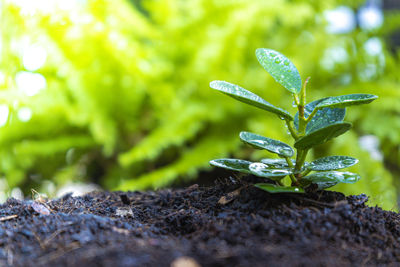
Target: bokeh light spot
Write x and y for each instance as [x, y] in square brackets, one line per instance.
[30, 83]
[340, 20]
[34, 57]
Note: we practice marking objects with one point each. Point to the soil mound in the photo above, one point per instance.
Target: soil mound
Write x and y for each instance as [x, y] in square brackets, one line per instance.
[229, 224]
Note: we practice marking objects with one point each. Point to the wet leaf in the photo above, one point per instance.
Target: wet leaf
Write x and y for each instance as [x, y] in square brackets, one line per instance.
[329, 179]
[248, 97]
[277, 163]
[322, 118]
[280, 68]
[232, 164]
[261, 142]
[282, 164]
[271, 188]
[322, 135]
[332, 163]
[262, 170]
[347, 100]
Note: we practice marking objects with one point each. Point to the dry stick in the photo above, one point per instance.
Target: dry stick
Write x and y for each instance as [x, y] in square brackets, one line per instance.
[58, 253]
[52, 236]
[321, 204]
[6, 218]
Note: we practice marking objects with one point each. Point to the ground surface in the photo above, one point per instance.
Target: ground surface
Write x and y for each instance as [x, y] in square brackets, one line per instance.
[199, 227]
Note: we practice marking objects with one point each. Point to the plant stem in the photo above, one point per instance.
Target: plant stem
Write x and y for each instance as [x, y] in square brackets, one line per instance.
[312, 115]
[298, 156]
[300, 159]
[301, 106]
[303, 92]
[296, 99]
[290, 163]
[305, 173]
[291, 130]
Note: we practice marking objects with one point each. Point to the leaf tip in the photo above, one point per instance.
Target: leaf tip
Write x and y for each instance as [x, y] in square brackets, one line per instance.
[214, 84]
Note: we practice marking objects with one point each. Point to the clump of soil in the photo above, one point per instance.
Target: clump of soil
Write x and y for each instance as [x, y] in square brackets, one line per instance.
[229, 224]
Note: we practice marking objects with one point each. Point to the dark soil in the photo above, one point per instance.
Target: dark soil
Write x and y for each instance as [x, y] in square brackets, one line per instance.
[229, 224]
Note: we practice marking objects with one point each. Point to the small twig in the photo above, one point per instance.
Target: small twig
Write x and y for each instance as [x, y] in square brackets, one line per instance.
[52, 236]
[10, 217]
[58, 253]
[320, 204]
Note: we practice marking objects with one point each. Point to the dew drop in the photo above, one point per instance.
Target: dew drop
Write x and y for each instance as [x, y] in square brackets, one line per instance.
[258, 142]
[283, 172]
[277, 61]
[258, 167]
[282, 118]
[348, 161]
[286, 63]
[285, 151]
[296, 189]
[289, 70]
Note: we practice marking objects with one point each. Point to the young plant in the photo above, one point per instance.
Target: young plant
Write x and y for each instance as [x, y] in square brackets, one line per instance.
[314, 123]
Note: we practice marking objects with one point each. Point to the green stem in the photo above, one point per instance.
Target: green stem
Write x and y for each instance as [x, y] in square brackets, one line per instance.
[300, 159]
[312, 115]
[292, 130]
[296, 99]
[298, 156]
[303, 92]
[305, 173]
[301, 107]
[290, 163]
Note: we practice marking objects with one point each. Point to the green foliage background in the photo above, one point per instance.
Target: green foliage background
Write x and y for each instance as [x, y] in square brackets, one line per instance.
[127, 103]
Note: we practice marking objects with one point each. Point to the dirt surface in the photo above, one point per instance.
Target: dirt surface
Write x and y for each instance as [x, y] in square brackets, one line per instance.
[230, 224]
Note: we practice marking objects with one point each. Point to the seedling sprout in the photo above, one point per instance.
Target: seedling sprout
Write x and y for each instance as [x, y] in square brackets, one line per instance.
[314, 123]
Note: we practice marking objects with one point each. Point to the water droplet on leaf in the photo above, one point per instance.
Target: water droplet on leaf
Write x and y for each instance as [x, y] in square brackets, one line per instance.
[283, 172]
[348, 161]
[285, 151]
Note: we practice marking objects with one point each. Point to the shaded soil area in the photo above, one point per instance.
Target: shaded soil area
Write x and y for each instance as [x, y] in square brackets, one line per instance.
[229, 224]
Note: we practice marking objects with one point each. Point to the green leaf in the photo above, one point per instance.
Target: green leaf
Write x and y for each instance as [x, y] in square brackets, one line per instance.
[262, 170]
[271, 188]
[329, 179]
[322, 135]
[277, 163]
[281, 163]
[261, 142]
[232, 164]
[346, 100]
[332, 163]
[248, 97]
[322, 118]
[280, 68]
